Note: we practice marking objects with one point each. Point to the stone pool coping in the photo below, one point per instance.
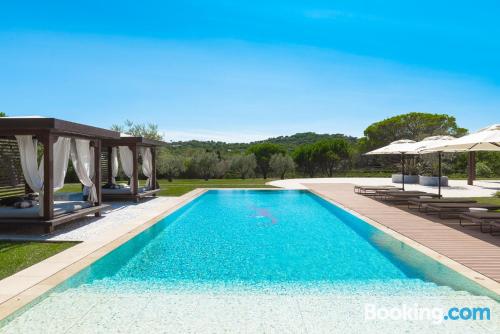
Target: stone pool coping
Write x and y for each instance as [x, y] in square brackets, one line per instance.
[465, 271]
[26, 285]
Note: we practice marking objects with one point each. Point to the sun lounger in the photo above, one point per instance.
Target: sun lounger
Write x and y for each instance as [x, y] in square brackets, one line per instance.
[453, 210]
[382, 193]
[480, 218]
[371, 190]
[403, 196]
[419, 203]
[495, 228]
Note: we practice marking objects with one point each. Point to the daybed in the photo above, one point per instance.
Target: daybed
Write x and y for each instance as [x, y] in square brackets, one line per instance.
[26, 172]
[125, 152]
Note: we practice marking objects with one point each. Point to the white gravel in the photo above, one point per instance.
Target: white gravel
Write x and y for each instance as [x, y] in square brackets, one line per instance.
[122, 215]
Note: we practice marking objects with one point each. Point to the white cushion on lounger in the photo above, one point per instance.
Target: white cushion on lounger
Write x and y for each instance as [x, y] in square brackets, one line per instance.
[60, 207]
[478, 209]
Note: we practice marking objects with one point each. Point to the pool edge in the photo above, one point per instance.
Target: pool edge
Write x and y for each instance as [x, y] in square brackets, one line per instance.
[17, 301]
[31, 292]
[463, 270]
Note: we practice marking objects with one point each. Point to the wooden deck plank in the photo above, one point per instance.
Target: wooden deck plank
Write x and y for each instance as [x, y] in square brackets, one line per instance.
[466, 245]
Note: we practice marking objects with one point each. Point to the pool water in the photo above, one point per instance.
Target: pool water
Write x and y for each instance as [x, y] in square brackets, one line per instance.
[254, 237]
[230, 246]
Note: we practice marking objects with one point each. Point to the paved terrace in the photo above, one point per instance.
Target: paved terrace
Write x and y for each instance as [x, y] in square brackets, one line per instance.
[122, 221]
[465, 245]
[457, 188]
[199, 312]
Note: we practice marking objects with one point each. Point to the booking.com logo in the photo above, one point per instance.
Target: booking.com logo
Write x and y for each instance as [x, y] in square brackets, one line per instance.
[435, 314]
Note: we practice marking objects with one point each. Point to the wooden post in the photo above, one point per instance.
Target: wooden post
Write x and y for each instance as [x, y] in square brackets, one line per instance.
[153, 177]
[110, 165]
[135, 170]
[97, 173]
[403, 170]
[471, 168]
[48, 176]
[439, 174]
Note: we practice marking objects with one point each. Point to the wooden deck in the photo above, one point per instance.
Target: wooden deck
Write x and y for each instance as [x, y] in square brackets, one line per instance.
[465, 245]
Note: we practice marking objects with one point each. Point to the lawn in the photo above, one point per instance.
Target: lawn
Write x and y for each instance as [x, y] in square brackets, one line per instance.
[487, 200]
[18, 255]
[180, 187]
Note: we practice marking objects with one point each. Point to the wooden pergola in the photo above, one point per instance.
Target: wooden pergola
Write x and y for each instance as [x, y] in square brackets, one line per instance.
[47, 131]
[133, 143]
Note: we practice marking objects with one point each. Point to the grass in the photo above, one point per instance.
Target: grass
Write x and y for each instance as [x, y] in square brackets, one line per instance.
[182, 186]
[18, 255]
[15, 256]
[71, 188]
[179, 187]
[487, 200]
[495, 200]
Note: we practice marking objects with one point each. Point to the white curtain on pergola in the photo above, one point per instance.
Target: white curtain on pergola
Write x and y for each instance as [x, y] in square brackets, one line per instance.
[33, 171]
[28, 151]
[114, 164]
[127, 162]
[82, 156]
[147, 164]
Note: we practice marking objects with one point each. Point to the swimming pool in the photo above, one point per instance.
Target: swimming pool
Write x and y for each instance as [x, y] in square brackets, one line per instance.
[244, 248]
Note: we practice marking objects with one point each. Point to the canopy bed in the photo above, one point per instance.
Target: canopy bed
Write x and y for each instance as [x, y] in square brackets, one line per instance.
[34, 158]
[130, 152]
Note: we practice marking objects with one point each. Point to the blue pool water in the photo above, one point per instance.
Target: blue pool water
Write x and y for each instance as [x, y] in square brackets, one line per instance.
[249, 238]
[285, 242]
[255, 237]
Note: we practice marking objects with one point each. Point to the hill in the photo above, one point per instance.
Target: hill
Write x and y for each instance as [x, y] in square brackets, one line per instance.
[289, 142]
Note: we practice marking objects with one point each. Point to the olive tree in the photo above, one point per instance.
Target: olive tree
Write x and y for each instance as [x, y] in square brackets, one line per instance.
[149, 130]
[169, 165]
[244, 165]
[205, 164]
[221, 168]
[281, 164]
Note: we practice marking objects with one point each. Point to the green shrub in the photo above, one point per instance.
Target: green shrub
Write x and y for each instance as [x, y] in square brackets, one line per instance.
[483, 170]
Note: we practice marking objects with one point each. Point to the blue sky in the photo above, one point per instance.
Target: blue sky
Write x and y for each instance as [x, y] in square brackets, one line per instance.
[240, 71]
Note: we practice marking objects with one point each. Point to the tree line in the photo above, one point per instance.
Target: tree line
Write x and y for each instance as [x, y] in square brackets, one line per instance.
[262, 159]
[310, 154]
